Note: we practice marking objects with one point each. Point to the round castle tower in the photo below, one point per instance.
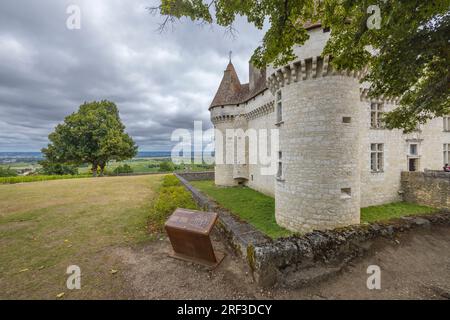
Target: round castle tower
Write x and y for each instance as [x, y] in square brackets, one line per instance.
[318, 116]
[318, 184]
[227, 113]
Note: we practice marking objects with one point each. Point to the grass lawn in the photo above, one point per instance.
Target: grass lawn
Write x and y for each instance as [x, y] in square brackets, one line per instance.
[393, 210]
[47, 226]
[259, 209]
[250, 205]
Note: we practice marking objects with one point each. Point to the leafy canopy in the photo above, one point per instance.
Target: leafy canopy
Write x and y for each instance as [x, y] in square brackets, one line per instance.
[412, 60]
[94, 134]
[50, 168]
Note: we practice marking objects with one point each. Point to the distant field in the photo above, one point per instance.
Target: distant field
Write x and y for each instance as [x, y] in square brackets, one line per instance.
[47, 226]
[138, 165]
[21, 165]
[146, 165]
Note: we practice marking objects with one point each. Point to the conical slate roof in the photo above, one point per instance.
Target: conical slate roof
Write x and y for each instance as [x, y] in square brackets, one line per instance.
[230, 88]
[231, 91]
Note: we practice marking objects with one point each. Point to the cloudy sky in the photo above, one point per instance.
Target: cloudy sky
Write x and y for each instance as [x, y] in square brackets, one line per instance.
[160, 82]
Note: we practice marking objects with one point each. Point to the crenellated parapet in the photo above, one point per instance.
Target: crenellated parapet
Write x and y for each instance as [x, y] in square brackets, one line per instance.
[258, 112]
[364, 96]
[222, 118]
[261, 111]
[305, 69]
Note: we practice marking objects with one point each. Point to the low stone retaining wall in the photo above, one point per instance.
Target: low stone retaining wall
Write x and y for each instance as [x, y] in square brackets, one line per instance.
[195, 176]
[429, 188]
[239, 234]
[301, 260]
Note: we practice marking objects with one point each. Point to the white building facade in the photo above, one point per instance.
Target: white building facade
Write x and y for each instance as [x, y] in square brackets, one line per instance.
[334, 154]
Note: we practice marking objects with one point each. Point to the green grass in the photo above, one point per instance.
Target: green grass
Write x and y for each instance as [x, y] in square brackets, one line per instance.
[149, 165]
[22, 179]
[171, 195]
[47, 226]
[138, 166]
[393, 210]
[250, 205]
[259, 209]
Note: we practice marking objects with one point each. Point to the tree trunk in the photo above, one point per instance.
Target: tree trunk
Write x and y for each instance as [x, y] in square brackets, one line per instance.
[94, 169]
[102, 169]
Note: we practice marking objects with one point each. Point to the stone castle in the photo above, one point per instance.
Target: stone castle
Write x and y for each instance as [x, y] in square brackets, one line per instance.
[334, 155]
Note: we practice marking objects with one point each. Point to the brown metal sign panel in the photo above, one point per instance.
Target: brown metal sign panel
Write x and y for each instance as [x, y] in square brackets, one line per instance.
[192, 220]
[188, 231]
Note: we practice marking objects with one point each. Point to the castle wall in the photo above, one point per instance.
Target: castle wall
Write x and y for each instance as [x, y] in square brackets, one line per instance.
[381, 187]
[265, 121]
[385, 187]
[431, 149]
[318, 154]
[325, 140]
[223, 171]
[429, 188]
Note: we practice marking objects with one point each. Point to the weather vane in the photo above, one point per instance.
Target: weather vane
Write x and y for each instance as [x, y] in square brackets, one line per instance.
[230, 54]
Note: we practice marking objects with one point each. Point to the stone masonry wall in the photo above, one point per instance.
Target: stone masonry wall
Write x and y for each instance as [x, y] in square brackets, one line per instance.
[325, 156]
[302, 259]
[319, 162]
[430, 188]
[196, 176]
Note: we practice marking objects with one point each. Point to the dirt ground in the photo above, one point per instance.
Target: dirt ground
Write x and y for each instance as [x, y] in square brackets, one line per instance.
[416, 265]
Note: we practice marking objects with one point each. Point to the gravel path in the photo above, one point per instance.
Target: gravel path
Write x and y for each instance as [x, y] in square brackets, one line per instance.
[416, 265]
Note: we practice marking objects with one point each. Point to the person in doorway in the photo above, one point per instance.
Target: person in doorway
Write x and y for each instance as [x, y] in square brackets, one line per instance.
[446, 168]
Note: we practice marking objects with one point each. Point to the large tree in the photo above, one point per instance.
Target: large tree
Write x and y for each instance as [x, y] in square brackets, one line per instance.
[409, 56]
[94, 134]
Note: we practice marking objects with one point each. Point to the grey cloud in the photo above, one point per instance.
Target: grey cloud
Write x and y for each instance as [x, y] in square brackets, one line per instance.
[160, 82]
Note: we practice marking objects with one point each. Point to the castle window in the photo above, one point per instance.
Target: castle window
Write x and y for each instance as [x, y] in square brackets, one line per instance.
[279, 107]
[280, 165]
[376, 157]
[413, 149]
[446, 123]
[376, 114]
[446, 153]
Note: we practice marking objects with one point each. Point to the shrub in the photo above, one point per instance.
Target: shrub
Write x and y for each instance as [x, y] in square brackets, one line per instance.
[30, 178]
[49, 168]
[7, 172]
[171, 195]
[166, 166]
[170, 181]
[123, 169]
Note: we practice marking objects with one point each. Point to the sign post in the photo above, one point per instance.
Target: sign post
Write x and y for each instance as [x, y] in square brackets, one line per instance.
[189, 233]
